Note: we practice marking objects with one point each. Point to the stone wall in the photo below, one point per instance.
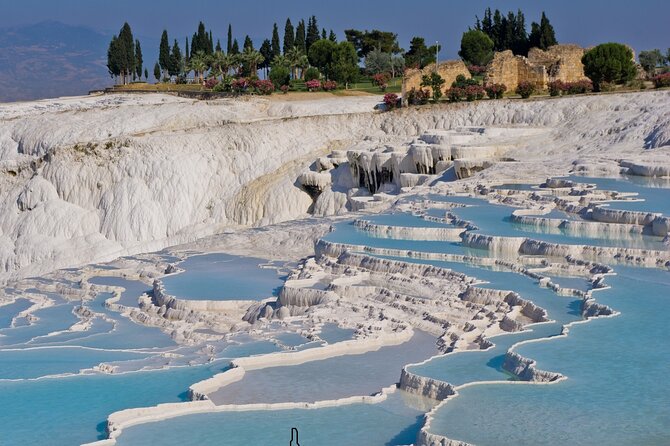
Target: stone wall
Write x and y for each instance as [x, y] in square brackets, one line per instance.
[449, 70]
[559, 62]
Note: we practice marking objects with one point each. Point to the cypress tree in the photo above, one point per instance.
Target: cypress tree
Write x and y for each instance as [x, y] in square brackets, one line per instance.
[289, 36]
[487, 23]
[146, 75]
[127, 49]
[176, 63]
[497, 31]
[138, 59]
[229, 46]
[187, 53]
[248, 44]
[235, 49]
[211, 43]
[300, 37]
[218, 45]
[113, 58]
[547, 35]
[266, 52]
[332, 37]
[202, 39]
[157, 71]
[276, 46]
[312, 32]
[324, 35]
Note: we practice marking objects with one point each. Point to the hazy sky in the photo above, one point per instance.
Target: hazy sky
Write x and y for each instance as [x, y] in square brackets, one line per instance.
[643, 24]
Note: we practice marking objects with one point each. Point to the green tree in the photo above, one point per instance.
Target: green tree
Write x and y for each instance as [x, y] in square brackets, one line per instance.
[248, 43]
[295, 59]
[251, 59]
[377, 62]
[609, 62]
[138, 59]
[176, 61]
[146, 74]
[289, 36]
[127, 52]
[332, 36]
[164, 53]
[419, 55]
[300, 37]
[199, 65]
[218, 45]
[157, 72]
[276, 45]
[312, 33]
[229, 43]
[266, 52]
[366, 41]
[476, 48]
[202, 41]
[321, 55]
[235, 49]
[221, 62]
[187, 52]
[114, 58]
[547, 34]
[650, 60]
[435, 82]
[344, 62]
[279, 75]
[324, 34]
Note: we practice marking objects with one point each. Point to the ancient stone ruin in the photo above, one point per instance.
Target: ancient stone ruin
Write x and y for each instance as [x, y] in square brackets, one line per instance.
[559, 62]
[449, 70]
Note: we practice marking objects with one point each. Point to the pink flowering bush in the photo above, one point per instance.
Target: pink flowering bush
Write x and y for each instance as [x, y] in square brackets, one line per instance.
[662, 80]
[381, 80]
[474, 92]
[556, 88]
[313, 85]
[284, 88]
[476, 70]
[418, 97]
[211, 82]
[455, 94]
[579, 87]
[495, 91]
[264, 86]
[391, 101]
[525, 89]
[240, 85]
[329, 85]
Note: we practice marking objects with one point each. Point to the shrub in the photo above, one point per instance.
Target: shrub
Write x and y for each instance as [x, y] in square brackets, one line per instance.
[525, 89]
[313, 85]
[284, 88]
[607, 86]
[609, 62]
[279, 76]
[495, 91]
[417, 97]
[264, 86]
[462, 82]
[455, 94]
[391, 101]
[476, 47]
[312, 73]
[329, 85]
[381, 80]
[579, 87]
[211, 82]
[662, 80]
[474, 92]
[240, 85]
[556, 88]
[435, 82]
[476, 70]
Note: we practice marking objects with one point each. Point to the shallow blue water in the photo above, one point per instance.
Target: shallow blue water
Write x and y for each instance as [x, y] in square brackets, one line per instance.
[616, 390]
[223, 277]
[331, 333]
[8, 312]
[404, 219]
[388, 423]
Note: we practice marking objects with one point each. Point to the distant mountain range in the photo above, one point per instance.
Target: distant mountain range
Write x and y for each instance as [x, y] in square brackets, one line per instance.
[51, 59]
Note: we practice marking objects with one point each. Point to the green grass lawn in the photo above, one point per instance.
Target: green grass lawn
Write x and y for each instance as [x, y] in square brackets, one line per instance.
[394, 86]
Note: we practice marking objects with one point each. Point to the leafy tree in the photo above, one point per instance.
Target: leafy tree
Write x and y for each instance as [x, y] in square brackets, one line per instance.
[542, 35]
[377, 62]
[311, 73]
[279, 75]
[419, 55]
[221, 62]
[138, 59]
[266, 52]
[321, 55]
[289, 36]
[229, 43]
[476, 47]
[157, 72]
[366, 41]
[176, 61]
[312, 33]
[164, 53]
[300, 37]
[251, 59]
[435, 82]
[295, 60]
[650, 60]
[609, 62]
[276, 45]
[344, 62]
[199, 65]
